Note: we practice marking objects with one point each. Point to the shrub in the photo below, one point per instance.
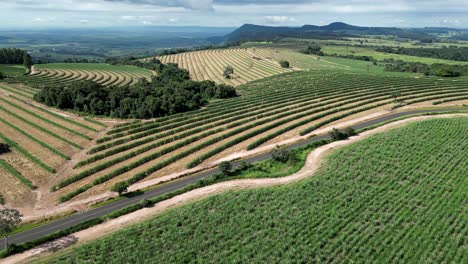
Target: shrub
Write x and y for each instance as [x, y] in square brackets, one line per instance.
[228, 71]
[4, 148]
[282, 155]
[284, 64]
[337, 134]
[225, 167]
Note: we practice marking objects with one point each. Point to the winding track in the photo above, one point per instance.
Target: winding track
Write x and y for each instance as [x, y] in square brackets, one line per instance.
[78, 218]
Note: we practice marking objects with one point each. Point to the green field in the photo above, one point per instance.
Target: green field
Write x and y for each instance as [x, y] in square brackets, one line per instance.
[105, 74]
[12, 70]
[398, 196]
[364, 51]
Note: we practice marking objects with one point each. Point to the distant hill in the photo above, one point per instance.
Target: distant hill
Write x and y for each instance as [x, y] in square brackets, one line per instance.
[336, 30]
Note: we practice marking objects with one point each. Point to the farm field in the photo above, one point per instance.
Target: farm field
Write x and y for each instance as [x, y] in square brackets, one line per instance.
[393, 197]
[326, 63]
[41, 140]
[105, 74]
[268, 111]
[12, 70]
[364, 51]
[249, 65]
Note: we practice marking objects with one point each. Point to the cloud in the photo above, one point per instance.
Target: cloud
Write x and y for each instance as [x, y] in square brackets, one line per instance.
[279, 19]
[44, 19]
[189, 4]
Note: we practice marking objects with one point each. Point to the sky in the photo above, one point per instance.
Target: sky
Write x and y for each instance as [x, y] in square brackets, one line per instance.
[230, 13]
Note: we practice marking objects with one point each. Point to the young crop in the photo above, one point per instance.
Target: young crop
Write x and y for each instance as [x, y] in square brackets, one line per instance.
[28, 155]
[16, 174]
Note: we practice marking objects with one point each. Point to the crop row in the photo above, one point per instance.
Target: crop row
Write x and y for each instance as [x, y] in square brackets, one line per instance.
[26, 154]
[68, 120]
[33, 124]
[38, 141]
[355, 100]
[16, 174]
[45, 119]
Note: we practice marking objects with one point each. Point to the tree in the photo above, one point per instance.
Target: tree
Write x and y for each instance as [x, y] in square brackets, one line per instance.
[225, 167]
[120, 187]
[2, 199]
[228, 71]
[9, 218]
[27, 61]
[2, 76]
[284, 64]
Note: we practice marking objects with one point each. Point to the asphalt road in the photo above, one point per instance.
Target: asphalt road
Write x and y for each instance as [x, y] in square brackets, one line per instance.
[81, 217]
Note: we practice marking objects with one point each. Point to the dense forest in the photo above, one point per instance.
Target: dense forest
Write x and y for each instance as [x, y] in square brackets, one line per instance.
[12, 56]
[447, 53]
[170, 92]
[15, 56]
[437, 69]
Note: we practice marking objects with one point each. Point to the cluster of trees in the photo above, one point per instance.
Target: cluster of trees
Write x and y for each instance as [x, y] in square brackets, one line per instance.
[355, 57]
[12, 56]
[80, 60]
[315, 50]
[437, 69]
[169, 93]
[447, 53]
[15, 56]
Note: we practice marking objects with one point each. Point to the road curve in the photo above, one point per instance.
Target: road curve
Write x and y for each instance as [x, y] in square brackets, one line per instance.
[41, 231]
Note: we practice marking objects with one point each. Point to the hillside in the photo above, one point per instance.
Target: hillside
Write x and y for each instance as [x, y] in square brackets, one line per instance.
[393, 197]
[337, 30]
[248, 64]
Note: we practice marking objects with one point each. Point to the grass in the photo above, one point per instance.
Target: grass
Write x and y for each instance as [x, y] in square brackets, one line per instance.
[396, 196]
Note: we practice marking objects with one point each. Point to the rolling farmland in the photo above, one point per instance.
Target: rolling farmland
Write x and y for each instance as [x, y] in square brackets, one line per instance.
[41, 141]
[393, 197]
[268, 111]
[107, 75]
[249, 64]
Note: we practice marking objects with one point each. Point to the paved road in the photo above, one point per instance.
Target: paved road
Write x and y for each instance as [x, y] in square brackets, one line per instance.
[78, 218]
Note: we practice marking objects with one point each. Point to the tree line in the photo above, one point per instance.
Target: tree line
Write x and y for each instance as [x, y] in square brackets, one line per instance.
[436, 69]
[15, 56]
[170, 92]
[446, 53]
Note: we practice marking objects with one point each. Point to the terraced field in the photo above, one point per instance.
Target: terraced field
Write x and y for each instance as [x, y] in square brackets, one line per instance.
[108, 75]
[41, 140]
[249, 64]
[12, 70]
[395, 197]
[268, 111]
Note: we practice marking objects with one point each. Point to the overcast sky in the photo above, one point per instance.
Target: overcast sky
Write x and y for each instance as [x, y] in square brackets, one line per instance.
[105, 13]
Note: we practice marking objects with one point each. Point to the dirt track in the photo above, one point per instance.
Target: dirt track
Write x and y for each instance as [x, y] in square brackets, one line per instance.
[313, 163]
